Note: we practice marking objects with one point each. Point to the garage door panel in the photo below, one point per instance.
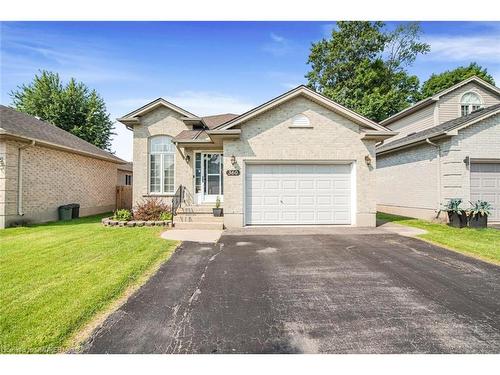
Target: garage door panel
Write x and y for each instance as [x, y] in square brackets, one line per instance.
[298, 194]
[485, 185]
[306, 184]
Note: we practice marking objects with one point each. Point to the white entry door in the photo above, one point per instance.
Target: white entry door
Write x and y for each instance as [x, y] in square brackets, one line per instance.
[298, 194]
[209, 182]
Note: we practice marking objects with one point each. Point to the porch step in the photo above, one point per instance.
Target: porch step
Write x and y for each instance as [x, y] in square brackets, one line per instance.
[203, 218]
[201, 209]
[198, 225]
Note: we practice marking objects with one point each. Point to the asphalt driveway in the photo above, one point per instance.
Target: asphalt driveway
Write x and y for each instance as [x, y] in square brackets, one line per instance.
[347, 291]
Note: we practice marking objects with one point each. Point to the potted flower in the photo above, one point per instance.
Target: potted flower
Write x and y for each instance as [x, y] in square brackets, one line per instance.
[478, 214]
[217, 210]
[456, 215]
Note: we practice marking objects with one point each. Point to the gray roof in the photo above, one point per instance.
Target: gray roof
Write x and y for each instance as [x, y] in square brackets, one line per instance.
[22, 125]
[128, 166]
[439, 129]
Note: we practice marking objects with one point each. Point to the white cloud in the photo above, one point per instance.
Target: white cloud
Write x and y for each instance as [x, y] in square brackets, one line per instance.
[278, 46]
[204, 103]
[26, 52]
[465, 48]
[277, 38]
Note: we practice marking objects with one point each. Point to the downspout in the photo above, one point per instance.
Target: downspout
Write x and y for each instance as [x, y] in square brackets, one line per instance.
[20, 178]
[438, 172]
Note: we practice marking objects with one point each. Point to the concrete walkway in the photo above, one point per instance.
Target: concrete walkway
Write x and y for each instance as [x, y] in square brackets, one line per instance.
[402, 230]
[192, 235]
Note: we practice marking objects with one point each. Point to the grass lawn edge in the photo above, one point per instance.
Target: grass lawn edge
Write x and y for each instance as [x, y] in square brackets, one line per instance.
[74, 344]
[399, 220]
[463, 252]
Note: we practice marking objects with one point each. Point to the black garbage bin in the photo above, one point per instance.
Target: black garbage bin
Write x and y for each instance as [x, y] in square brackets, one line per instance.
[75, 210]
[65, 212]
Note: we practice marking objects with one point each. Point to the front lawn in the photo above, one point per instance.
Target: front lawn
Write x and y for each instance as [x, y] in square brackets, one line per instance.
[54, 278]
[482, 243]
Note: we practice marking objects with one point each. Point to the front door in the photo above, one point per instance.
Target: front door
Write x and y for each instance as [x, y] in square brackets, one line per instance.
[208, 177]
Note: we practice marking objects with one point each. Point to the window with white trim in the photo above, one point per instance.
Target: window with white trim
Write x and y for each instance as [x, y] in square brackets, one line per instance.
[161, 165]
[470, 102]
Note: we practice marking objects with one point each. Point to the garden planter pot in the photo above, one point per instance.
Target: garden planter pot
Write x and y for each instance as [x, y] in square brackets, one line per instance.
[478, 221]
[457, 220]
[217, 212]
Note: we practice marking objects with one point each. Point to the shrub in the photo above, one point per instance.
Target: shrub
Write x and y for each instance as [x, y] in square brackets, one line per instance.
[151, 209]
[122, 215]
[480, 208]
[453, 205]
[166, 216]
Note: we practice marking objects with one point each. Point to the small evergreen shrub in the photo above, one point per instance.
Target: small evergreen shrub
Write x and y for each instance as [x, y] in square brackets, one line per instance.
[122, 215]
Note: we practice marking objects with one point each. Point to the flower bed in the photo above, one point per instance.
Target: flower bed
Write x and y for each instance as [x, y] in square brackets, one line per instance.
[110, 222]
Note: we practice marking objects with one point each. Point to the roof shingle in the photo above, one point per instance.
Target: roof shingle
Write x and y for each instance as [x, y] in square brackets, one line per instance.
[20, 124]
[439, 129]
[217, 120]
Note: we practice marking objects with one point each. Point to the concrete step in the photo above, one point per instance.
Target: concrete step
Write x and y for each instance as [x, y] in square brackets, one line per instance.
[202, 209]
[198, 225]
[187, 218]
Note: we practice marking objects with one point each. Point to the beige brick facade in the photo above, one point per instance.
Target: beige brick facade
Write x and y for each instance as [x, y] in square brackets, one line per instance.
[332, 138]
[161, 121]
[269, 136]
[51, 178]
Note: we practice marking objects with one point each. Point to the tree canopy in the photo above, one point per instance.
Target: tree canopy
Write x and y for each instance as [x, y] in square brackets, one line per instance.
[363, 67]
[73, 107]
[442, 81]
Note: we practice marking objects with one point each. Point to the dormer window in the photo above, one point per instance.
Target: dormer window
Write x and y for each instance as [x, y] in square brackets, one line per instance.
[470, 102]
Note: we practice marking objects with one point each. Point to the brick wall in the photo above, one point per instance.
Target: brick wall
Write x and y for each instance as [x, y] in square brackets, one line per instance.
[161, 121]
[269, 137]
[51, 178]
[407, 181]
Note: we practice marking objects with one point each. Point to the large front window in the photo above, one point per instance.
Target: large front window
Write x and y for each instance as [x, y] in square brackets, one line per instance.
[161, 165]
[470, 102]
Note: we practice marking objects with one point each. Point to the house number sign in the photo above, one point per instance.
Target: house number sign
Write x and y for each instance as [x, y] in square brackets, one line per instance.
[233, 172]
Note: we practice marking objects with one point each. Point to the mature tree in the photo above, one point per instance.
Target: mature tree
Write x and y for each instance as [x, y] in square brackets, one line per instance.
[363, 67]
[441, 81]
[72, 107]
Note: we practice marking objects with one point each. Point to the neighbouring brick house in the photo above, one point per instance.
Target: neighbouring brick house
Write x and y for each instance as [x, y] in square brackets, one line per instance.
[448, 146]
[300, 158]
[43, 167]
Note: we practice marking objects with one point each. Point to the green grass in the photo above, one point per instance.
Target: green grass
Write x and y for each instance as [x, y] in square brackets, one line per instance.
[55, 278]
[481, 243]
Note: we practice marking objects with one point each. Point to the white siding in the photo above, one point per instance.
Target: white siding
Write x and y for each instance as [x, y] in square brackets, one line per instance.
[420, 120]
[449, 104]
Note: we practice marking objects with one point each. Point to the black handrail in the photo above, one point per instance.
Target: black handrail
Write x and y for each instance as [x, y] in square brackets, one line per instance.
[177, 200]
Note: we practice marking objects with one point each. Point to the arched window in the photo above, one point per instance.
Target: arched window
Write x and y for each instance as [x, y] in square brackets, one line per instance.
[161, 165]
[469, 103]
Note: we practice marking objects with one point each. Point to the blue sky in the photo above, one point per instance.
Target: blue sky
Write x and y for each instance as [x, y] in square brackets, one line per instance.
[204, 67]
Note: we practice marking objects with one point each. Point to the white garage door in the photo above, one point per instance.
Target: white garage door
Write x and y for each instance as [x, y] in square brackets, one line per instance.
[485, 185]
[298, 194]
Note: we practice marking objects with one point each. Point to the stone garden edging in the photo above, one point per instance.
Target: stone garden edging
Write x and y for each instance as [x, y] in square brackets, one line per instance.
[109, 222]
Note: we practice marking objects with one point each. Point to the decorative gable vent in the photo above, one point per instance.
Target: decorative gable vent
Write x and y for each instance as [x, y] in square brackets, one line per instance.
[301, 121]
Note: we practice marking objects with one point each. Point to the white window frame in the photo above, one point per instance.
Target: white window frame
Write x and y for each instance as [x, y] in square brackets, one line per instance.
[162, 171]
[468, 105]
